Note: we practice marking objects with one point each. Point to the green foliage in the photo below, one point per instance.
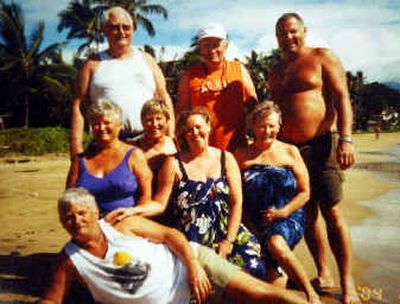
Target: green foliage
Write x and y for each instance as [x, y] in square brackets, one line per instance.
[35, 141]
[28, 70]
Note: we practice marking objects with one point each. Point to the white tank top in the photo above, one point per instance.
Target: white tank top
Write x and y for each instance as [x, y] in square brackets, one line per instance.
[153, 276]
[128, 82]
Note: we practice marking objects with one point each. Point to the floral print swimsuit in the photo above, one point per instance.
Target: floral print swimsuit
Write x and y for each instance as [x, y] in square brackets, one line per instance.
[201, 211]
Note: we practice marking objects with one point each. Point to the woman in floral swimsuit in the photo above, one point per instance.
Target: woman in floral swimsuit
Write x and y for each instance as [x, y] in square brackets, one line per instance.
[205, 185]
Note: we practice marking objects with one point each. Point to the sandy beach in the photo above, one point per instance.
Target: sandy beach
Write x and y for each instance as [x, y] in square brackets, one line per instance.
[31, 234]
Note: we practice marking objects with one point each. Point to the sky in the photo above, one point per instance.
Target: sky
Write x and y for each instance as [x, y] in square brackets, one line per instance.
[365, 34]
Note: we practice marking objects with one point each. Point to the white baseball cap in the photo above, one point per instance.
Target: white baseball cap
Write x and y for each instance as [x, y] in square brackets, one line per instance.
[211, 30]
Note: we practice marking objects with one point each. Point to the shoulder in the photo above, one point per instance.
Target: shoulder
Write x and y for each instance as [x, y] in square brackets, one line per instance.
[136, 153]
[291, 152]
[147, 58]
[324, 54]
[169, 147]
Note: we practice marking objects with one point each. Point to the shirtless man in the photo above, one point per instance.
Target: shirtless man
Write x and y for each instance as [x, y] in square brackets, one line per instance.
[140, 261]
[122, 74]
[309, 85]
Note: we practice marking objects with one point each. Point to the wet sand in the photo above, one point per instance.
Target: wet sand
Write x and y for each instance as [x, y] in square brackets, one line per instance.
[31, 234]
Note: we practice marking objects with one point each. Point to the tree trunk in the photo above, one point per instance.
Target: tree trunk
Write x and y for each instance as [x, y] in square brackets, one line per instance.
[26, 108]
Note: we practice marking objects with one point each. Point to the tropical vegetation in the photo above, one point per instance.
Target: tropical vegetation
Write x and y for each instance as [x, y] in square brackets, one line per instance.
[36, 84]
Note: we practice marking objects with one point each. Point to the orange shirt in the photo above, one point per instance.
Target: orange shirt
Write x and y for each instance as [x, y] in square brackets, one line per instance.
[224, 93]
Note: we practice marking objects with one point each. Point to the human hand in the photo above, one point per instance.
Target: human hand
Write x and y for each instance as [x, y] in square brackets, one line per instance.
[345, 154]
[271, 215]
[118, 215]
[200, 285]
[225, 248]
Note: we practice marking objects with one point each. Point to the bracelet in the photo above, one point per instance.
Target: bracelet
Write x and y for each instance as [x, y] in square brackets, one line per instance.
[346, 139]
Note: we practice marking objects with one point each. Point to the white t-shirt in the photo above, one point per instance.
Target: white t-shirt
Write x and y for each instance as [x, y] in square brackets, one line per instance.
[154, 275]
[129, 82]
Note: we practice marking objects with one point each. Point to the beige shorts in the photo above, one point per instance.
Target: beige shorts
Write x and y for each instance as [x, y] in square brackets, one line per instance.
[219, 270]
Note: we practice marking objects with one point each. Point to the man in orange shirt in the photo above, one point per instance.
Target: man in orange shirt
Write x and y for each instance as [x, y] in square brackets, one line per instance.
[223, 87]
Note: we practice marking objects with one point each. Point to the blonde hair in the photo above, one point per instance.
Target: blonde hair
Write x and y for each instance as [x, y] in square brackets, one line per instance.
[153, 106]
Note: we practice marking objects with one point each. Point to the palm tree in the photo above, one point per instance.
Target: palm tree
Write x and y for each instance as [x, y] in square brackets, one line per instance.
[82, 19]
[28, 70]
[259, 66]
[356, 88]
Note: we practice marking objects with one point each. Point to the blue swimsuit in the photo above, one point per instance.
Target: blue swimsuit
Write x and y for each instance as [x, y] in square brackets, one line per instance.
[266, 187]
[119, 188]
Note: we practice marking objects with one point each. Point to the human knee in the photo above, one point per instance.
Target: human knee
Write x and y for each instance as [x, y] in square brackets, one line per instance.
[277, 246]
[333, 215]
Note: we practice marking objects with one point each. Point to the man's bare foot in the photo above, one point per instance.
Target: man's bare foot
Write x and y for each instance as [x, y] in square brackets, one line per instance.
[324, 286]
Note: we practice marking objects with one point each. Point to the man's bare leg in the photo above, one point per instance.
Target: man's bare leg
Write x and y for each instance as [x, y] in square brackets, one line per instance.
[247, 289]
[317, 243]
[339, 239]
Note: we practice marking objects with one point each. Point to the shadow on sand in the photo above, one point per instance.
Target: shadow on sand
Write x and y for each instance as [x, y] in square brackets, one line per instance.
[30, 275]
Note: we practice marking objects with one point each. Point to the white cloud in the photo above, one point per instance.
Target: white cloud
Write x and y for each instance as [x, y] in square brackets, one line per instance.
[358, 31]
[363, 33]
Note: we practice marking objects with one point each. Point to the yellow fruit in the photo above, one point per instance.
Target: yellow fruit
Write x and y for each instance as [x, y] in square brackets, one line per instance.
[122, 258]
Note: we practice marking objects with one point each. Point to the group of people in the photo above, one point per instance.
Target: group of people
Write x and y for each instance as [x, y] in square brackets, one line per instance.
[217, 208]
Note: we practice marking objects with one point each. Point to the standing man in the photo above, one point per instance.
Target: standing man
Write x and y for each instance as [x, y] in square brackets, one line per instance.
[122, 74]
[310, 86]
[223, 87]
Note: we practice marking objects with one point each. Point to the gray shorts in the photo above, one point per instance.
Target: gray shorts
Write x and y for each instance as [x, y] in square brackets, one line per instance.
[326, 178]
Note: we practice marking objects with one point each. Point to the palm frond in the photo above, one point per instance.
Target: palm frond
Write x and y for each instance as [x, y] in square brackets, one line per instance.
[146, 23]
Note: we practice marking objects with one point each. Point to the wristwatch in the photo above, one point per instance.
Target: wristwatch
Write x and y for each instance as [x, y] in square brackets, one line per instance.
[346, 139]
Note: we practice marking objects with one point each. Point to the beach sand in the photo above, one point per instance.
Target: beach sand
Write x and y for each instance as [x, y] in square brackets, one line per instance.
[31, 234]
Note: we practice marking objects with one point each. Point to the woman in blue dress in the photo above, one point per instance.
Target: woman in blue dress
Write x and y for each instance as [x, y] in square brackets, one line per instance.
[275, 189]
[206, 190]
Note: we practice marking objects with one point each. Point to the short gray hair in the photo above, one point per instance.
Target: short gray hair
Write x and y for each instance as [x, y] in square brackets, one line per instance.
[103, 106]
[105, 16]
[73, 196]
[262, 110]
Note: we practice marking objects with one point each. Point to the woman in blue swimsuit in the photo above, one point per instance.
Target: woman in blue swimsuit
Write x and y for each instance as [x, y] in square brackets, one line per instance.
[205, 185]
[275, 188]
[115, 172]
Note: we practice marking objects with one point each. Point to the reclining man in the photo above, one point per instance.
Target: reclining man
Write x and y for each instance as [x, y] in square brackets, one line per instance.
[140, 261]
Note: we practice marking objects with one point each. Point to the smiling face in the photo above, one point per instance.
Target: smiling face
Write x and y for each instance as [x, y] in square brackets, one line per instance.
[105, 128]
[80, 221]
[197, 131]
[118, 30]
[213, 50]
[155, 125]
[266, 128]
[291, 35]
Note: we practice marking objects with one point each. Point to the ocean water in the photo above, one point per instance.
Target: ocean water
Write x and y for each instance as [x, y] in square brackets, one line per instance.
[377, 238]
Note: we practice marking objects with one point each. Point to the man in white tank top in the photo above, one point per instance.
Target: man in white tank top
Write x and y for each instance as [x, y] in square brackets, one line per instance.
[140, 261]
[122, 74]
